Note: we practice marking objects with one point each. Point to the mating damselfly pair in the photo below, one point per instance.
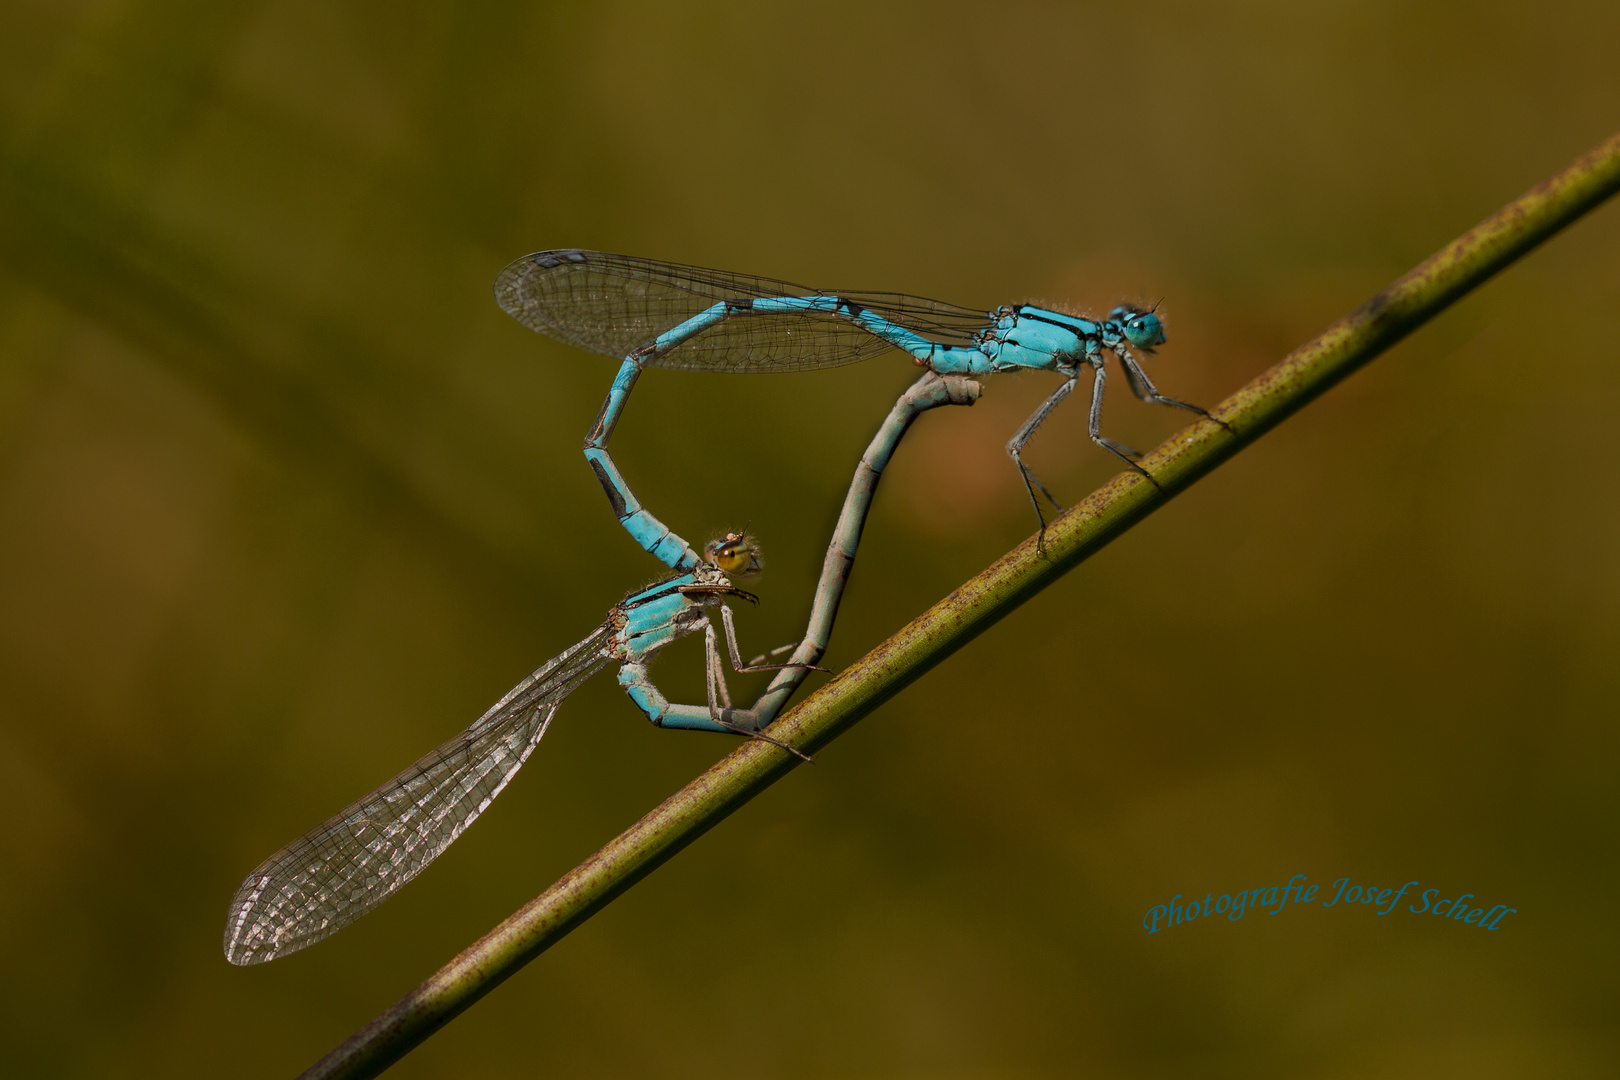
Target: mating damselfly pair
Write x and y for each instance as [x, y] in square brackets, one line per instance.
[654, 314]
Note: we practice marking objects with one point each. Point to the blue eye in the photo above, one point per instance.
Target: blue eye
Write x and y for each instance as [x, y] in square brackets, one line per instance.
[1144, 330]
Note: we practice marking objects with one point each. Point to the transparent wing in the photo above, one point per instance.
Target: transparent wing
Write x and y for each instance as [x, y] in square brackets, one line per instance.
[352, 862]
[612, 304]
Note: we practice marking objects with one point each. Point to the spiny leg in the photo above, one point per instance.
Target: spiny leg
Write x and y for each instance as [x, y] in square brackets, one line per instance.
[717, 677]
[717, 681]
[750, 668]
[1119, 450]
[1143, 388]
[1029, 479]
[778, 651]
[1015, 449]
[718, 590]
[633, 678]
[756, 733]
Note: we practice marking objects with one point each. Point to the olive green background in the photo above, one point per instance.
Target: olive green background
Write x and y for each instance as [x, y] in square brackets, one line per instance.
[285, 500]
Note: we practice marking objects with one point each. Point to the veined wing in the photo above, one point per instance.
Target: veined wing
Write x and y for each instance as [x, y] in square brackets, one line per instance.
[352, 862]
[613, 304]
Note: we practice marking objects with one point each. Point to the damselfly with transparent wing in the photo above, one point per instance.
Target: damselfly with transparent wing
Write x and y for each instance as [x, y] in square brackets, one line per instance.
[657, 314]
[355, 860]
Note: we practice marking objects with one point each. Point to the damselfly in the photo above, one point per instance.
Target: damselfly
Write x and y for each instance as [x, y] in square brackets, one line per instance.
[355, 860]
[656, 314]
[346, 866]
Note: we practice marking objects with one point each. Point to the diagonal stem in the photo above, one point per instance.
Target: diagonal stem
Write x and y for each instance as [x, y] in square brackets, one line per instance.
[979, 603]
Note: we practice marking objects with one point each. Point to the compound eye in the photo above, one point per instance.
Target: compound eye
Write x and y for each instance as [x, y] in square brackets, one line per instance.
[735, 554]
[1145, 330]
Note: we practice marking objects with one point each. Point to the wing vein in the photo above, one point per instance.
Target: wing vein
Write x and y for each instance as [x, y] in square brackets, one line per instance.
[357, 858]
[613, 304]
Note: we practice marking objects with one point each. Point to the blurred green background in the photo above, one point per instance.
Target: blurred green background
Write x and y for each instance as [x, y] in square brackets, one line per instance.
[285, 500]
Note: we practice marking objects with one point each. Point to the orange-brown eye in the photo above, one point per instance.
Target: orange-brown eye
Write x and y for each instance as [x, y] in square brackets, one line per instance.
[734, 554]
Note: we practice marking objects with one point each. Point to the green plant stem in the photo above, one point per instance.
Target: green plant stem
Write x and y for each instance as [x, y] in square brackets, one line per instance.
[975, 606]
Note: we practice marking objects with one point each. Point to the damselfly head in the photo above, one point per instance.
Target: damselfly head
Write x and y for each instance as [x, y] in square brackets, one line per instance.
[1141, 328]
[736, 554]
